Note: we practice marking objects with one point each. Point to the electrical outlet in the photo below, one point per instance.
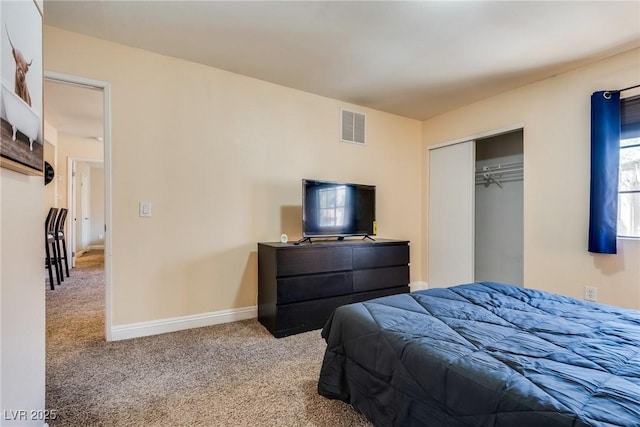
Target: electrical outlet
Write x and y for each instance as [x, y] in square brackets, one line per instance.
[591, 293]
[145, 208]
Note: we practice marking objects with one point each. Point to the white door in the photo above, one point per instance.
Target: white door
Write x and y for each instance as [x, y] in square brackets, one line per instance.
[82, 224]
[81, 218]
[77, 219]
[73, 211]
[451, 214]
[84, 203]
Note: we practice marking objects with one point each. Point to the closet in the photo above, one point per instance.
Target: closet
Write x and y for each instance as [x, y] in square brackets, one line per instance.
[476, 211]
[499, 209]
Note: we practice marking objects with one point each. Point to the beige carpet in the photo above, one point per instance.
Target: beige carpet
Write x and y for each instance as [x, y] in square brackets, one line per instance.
[234, 374]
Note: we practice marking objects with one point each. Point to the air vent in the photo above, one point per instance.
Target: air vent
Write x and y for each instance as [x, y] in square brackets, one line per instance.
[352, 127]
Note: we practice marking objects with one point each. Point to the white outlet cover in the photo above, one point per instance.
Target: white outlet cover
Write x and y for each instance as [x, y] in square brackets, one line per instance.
[591, 293]
[145, 209]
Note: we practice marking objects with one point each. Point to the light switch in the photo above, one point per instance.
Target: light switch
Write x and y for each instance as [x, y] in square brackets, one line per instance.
[145, 208]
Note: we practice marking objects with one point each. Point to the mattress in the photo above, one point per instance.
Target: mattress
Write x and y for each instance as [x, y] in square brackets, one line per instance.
[484, 354]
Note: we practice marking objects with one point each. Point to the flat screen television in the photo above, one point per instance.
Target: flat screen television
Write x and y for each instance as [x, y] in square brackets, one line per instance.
[337, 209]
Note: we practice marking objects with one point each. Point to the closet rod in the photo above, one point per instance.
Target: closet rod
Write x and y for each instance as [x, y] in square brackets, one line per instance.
[499, 172]
[509, 164]
[499, 176]
[489, 182]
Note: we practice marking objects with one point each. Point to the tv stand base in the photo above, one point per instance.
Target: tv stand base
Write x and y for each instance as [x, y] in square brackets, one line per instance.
[304, 239]
[338, 238]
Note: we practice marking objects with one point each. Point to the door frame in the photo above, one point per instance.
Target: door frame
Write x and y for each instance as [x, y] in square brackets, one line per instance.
[108, 197]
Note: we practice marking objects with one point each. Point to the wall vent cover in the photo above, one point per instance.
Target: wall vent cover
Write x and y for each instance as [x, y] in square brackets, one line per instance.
[352, 126]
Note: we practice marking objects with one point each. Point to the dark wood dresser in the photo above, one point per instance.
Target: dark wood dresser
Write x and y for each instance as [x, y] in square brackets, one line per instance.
[300, 285]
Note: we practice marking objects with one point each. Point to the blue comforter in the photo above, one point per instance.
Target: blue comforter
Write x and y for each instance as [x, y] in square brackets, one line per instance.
[485, 354]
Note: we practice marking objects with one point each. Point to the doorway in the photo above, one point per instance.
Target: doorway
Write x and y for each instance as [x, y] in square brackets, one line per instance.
[92, 161]
[86, 205]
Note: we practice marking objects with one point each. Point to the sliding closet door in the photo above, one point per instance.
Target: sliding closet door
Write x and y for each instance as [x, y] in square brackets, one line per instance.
[451, 214]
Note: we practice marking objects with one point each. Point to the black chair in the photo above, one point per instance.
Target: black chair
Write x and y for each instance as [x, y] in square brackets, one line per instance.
[50, 246]
[60, 237]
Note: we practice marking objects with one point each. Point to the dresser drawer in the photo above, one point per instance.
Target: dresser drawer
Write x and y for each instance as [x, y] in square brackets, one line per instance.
[379, 278]
[304, 288]
[365, 296]
[308, 315]
[313, 260]
[380, 256]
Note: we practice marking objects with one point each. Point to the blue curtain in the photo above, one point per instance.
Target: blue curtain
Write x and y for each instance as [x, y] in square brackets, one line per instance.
[605, 160]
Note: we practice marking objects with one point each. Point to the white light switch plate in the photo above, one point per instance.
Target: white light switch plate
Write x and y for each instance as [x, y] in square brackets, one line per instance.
[145, 209]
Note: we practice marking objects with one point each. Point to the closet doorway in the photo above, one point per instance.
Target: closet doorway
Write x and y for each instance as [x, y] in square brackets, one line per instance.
[476, 210]
[499, 212]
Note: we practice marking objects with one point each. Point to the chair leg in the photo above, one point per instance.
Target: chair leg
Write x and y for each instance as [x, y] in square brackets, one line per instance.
[59, 258]
[64, 255]
[48, 253]
[55, 261]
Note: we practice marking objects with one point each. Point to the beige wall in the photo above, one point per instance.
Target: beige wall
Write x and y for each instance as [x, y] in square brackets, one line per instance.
[221, 157]
[556, 118]
[22, 303]
[50, 192]
[22, 298]
[51, 156]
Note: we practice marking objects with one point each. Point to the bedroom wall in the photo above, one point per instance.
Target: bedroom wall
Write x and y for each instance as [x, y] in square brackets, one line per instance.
[22, 299]
[22, 295]
[51, 156]
[221, 157]
[556, 118]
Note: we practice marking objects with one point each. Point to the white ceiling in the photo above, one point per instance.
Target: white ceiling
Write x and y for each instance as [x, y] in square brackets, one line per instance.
[414, 59]
[74, 110]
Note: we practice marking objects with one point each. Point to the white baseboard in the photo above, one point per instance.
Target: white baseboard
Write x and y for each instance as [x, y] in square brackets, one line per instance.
[95, 247]
[418, 286]
[155, 327]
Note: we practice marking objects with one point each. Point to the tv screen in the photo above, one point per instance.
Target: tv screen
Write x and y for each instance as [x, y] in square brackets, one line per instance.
[338, 209]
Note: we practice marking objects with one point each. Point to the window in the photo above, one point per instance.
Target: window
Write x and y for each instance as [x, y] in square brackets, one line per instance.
[332, 203]
[629, 173]
[629, 188]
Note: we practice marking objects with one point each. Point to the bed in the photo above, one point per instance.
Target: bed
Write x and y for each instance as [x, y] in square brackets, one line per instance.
[484, 354]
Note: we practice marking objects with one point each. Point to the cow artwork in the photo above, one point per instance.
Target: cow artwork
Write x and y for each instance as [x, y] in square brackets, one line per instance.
[22, 67]
[21, 84]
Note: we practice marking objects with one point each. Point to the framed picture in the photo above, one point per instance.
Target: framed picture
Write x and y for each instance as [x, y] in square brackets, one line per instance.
[22, 139]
